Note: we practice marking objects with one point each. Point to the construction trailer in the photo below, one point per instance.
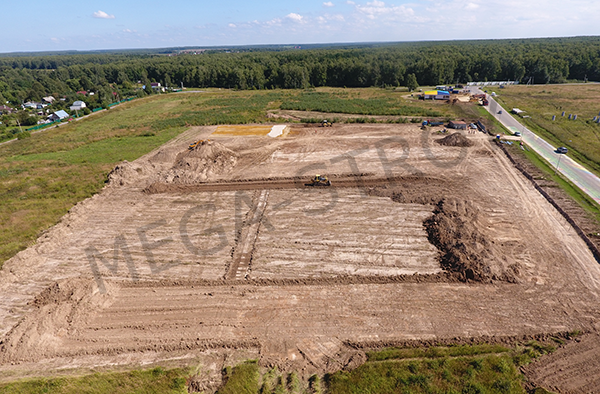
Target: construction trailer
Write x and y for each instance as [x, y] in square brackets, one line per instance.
[457, 124]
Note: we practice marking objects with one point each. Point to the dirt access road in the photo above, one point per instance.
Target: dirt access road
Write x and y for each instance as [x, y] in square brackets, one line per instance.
[418, 241]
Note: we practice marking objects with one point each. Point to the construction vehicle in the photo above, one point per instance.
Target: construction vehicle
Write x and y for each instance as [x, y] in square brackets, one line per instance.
[319, 180]
[195, 144]
[431, 123]
[325, 123]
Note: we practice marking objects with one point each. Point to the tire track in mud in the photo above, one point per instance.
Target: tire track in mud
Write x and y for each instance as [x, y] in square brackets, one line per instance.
[244, 248]
[337, 181]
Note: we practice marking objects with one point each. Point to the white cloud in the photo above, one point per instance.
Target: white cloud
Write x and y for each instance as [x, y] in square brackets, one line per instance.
[471, 6]
[273, 22]
[295, 17]
[350, 2]
[102, 15]
[377, 9]
[232, 25]
[328, 4]
[129, 31]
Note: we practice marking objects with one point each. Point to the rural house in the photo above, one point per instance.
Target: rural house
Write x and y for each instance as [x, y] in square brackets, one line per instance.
[58, 115]
[4, 108]
[77, 106]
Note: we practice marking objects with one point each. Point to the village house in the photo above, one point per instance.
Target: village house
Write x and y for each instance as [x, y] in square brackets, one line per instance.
[77, 106]
[4, 108]
[58, 115]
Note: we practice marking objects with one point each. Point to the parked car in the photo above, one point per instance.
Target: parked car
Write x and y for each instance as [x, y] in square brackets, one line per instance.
[561, 150]
[517, 133]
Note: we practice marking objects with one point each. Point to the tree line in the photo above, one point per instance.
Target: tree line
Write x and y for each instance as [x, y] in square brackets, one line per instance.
[552, 60]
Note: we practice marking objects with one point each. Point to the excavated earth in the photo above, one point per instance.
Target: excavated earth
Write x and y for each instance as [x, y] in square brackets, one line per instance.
[222, 253]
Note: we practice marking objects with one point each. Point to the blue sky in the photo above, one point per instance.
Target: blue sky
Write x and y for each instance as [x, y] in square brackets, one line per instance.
[45, 25]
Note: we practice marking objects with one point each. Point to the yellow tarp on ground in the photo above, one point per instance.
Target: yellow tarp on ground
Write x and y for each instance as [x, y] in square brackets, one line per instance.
[250, 130]
[243, 130]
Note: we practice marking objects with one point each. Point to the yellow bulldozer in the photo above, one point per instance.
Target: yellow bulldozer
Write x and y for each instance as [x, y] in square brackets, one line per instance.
[319, 180]
[325, 123]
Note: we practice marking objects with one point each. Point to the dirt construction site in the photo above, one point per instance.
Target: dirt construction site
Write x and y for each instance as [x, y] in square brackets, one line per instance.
[213, 254]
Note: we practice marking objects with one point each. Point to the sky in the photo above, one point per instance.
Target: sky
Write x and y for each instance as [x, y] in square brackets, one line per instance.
[42, 25]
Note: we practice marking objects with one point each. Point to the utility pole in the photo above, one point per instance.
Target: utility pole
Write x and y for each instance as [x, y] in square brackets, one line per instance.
[558, 163]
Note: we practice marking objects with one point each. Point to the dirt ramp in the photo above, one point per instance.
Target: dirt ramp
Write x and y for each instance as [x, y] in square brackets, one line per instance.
[455, 139]
[206, 159]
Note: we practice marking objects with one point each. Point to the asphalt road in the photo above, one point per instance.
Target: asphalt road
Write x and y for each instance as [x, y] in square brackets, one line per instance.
[572, 170]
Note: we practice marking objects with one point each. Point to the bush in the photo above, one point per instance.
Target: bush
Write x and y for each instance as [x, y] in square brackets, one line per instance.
[23, 135]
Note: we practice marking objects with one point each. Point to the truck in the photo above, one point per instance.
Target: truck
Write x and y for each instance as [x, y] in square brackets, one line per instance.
[432, 123]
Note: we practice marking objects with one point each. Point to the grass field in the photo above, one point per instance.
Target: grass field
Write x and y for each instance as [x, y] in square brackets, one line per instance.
[541, 102]
[454, 369]
[153, 381]
[43, 176]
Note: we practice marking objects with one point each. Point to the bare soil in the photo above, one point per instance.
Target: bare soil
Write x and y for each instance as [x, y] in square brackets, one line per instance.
[209, 256]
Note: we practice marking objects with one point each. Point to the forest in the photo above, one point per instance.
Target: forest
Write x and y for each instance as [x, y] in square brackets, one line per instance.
[120, 74]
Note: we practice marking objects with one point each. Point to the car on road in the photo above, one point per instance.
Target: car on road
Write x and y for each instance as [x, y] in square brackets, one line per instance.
[561, 150]
[517, 133]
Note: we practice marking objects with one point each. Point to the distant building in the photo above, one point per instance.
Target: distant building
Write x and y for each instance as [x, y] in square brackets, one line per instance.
[77, 106]
[30, 105]
[82, 92]
[58, 115]
[156, 86]
[4, 108]
[457, 124]
[48, 100]
[436, 95]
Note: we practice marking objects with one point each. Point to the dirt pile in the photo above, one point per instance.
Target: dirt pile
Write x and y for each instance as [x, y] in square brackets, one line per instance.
[205, 160]
[123, 174]
[455, 139]
[465, 252]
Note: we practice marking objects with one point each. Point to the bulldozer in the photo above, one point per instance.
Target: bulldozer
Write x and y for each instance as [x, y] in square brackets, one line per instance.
[319, 180]
[325, 123]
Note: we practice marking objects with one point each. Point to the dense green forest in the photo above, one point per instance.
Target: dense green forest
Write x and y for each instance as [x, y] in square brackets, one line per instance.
[552, 60]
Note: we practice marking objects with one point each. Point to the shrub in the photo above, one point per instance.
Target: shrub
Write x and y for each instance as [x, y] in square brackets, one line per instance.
[23, 135]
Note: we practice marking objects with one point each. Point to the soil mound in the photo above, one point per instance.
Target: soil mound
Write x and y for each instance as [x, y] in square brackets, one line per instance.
[123, 174]
[206, 159]
[455, 139]
[464, 249]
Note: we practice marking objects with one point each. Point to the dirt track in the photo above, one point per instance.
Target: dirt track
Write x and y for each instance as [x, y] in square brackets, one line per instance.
[415, 241]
